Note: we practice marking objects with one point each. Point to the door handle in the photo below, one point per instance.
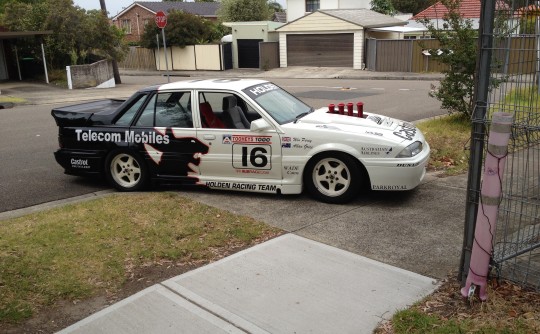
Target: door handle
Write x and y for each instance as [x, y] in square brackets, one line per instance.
[209, 137]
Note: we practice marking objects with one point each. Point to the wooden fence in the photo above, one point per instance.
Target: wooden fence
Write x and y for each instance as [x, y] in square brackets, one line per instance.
[139, 59]
[511, 56]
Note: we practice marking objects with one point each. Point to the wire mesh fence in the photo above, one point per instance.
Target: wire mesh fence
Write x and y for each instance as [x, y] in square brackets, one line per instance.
[514, 77]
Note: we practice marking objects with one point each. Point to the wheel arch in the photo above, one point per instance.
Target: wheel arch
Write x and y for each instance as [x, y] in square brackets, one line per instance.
[349, 152]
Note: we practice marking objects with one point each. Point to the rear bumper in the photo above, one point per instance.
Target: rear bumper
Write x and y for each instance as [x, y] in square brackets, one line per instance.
[80, 162]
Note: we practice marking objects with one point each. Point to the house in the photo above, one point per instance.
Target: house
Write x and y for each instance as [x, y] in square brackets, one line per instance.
[469, 9]
[135, 17]
[246, 37]
[331, 38]
[298, 8]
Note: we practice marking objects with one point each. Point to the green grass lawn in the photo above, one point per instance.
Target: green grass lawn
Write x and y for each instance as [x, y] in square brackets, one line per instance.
[448, 137]
[78, 251]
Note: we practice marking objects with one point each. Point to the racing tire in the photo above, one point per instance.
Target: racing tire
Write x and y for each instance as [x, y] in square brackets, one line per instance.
[333, 177]
[126, 171]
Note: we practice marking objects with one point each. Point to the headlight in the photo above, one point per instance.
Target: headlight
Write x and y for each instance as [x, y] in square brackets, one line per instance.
[411, 150]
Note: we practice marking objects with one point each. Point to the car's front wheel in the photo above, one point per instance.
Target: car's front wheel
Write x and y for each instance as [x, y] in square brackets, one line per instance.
[126, 171]
[333, 177]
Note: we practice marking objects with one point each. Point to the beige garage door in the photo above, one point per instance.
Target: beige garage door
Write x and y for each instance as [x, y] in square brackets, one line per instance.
[324, 50]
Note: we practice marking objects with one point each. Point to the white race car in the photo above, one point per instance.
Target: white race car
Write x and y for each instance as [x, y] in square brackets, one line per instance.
[235, 134]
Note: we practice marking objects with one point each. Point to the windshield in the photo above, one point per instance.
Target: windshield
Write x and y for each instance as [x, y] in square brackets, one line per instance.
[278, 103]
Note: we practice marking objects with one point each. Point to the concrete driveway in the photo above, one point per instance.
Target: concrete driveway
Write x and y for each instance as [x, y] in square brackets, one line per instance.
[419, 230]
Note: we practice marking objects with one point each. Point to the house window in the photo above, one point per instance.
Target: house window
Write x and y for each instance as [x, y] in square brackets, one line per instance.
[146, 22]
[126, 26]
[312, 5]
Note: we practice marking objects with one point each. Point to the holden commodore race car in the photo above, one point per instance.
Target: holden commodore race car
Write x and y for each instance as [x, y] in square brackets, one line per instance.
[238, 134]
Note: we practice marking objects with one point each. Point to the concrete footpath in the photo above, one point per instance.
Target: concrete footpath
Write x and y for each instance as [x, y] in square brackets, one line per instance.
[287, 285]
[290, 284]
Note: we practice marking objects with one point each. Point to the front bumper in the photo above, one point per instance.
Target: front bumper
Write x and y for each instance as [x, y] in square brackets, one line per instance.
[399, 173]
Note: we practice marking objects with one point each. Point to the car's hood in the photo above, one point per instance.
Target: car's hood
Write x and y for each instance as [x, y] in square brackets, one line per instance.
[350, 123]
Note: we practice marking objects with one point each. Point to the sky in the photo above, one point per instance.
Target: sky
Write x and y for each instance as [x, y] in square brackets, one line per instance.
[116, 6]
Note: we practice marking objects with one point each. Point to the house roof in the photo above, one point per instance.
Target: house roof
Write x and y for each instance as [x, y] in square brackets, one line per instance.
[206, 9]
[363, 17]
[279, 17]
[469, 9]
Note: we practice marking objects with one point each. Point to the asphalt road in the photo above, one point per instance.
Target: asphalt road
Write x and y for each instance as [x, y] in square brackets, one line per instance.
[418, 230]
[28, 135]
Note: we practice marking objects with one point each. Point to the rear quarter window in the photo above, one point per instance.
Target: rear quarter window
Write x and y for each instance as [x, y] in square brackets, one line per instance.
[131, 111]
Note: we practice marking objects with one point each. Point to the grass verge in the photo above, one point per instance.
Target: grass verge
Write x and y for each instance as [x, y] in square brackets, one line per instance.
[11, 99]
[448, 138]
[509, 309]
[78, 251]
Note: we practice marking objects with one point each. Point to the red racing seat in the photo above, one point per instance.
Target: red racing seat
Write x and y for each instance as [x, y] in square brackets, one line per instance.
[208, 118]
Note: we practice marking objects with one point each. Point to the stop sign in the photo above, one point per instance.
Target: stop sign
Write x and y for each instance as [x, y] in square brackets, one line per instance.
[161, 19]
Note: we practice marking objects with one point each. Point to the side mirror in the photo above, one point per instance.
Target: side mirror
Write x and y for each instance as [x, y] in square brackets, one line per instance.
[259, 125]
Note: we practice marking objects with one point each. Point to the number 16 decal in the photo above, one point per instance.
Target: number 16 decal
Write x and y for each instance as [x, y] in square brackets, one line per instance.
[252, 156]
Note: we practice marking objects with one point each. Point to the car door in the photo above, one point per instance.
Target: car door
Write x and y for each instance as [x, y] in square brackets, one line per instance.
[236, 152]
[165, 135]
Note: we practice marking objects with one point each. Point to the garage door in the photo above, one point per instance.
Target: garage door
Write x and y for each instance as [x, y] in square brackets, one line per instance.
[248, 53]
[328, 50]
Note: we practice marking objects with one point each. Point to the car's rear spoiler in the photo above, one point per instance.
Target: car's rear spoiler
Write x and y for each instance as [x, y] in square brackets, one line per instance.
[80, 114]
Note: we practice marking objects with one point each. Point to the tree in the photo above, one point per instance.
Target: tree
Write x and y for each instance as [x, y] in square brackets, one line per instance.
[412, 6]
[383, 7]
[244, 10]
[275, 7]
[76, 33]
[183, 29]
[457, 50]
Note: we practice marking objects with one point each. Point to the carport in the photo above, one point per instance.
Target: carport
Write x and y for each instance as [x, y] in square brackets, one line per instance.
[9, 53]
[330, 38]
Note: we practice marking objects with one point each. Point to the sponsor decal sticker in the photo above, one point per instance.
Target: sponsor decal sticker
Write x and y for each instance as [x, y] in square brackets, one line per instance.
[406, 131]
[257, 91]
[79, 163]
[247, 139]
[148, 137]
[374, 133]
[291, 170]
[408, 165]
[227, 139]
[375, 150]
[242, 186]
[286, 145]
[385, 187]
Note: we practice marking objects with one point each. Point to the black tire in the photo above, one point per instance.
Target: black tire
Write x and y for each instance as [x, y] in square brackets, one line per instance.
[126, 171]
[333, 177]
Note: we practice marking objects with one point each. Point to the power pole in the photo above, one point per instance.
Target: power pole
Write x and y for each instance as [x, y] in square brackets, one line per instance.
[116, 72]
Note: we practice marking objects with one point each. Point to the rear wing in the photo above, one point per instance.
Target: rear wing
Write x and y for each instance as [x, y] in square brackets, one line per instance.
[101, 111]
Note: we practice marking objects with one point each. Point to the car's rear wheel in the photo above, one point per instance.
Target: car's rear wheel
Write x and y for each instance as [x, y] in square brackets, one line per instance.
[333, 177]
[126, 171]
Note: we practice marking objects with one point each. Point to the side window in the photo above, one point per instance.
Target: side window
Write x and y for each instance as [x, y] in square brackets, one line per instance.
[170, 109]
[174, 110]
[147, 116]
[225, 110]
[128, 115]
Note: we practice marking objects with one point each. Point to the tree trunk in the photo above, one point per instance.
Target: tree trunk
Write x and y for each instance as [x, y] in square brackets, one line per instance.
[116, 72]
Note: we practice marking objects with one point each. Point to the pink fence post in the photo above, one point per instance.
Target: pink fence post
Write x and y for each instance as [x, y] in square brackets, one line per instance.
[490, 196]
